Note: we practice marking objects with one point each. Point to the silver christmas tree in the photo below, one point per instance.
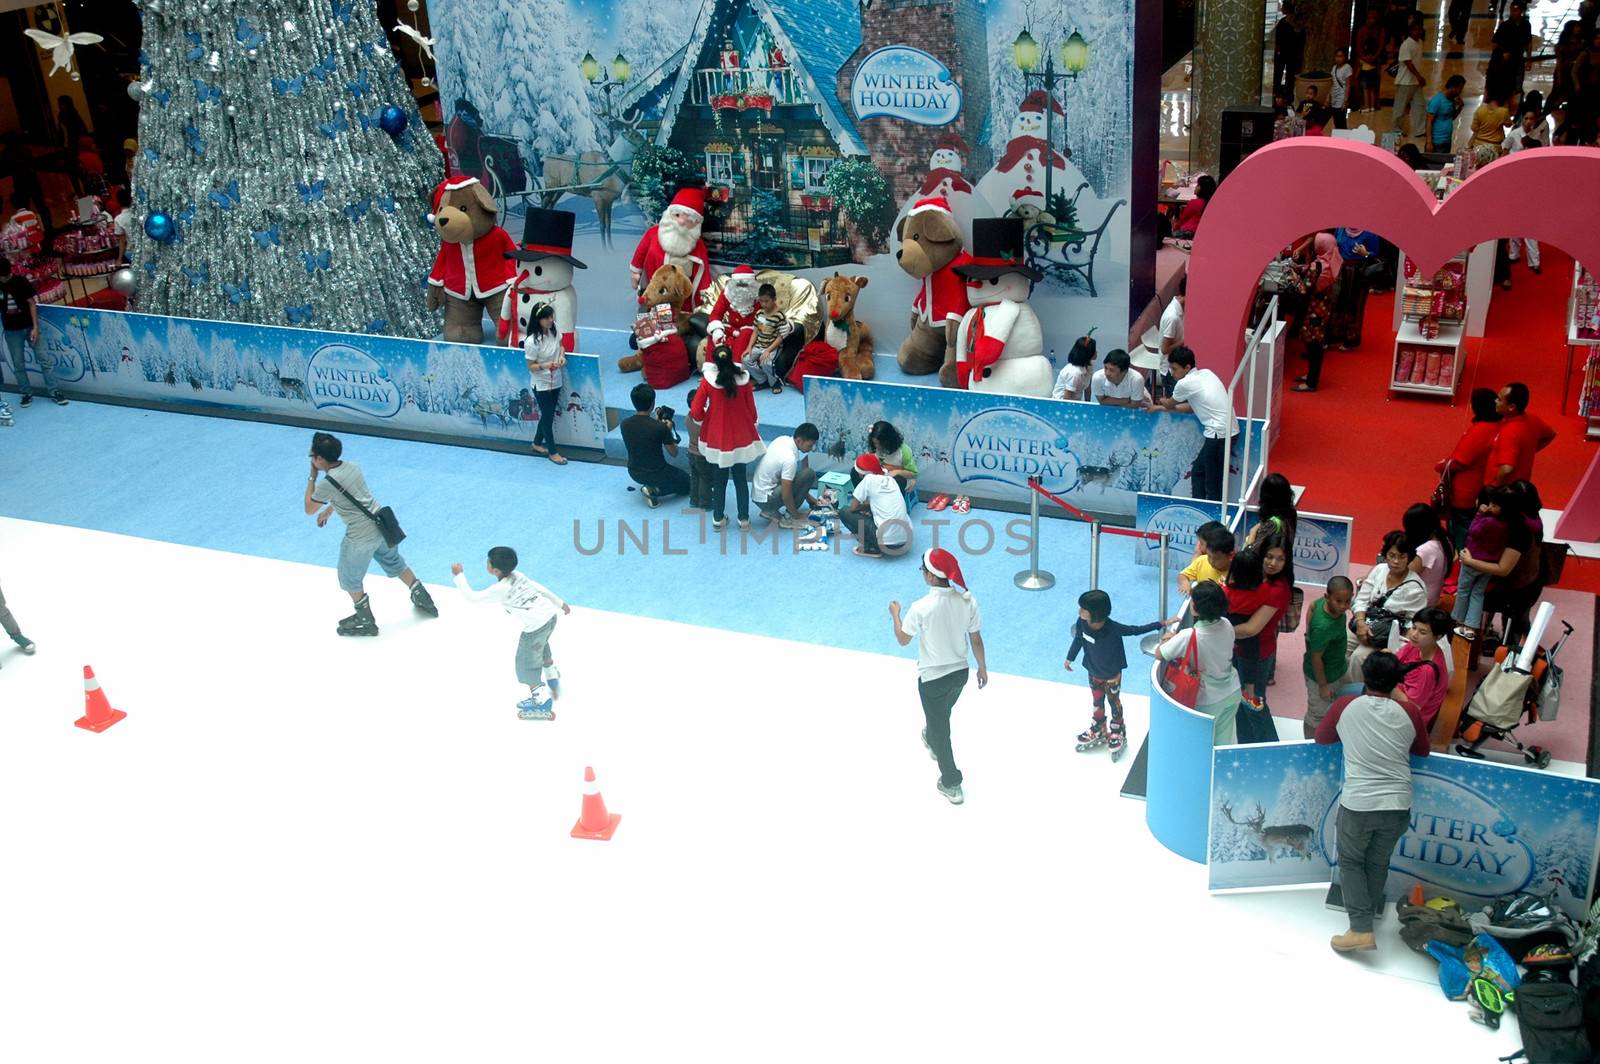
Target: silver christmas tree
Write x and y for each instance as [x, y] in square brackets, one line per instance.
[284, 175]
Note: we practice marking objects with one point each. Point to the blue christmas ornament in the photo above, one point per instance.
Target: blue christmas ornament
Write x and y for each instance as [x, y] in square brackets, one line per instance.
[1505, 829]
[158, 225]
[392, 120]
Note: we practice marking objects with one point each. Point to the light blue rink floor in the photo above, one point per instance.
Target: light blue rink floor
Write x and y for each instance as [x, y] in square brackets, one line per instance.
[237, 486]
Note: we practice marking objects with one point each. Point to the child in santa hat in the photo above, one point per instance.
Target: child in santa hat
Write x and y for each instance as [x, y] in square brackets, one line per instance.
[877, 511]
[946, 619]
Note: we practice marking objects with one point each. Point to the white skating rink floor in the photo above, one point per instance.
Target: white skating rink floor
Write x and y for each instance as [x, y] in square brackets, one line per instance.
[299, 847]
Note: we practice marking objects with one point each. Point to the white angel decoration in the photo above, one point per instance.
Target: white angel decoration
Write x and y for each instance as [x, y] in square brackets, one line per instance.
[61, 48]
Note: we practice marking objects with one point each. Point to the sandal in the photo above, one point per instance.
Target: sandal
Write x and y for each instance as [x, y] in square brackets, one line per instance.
[777, 389]
[557, 459]
[540, 451]
[1302, 387]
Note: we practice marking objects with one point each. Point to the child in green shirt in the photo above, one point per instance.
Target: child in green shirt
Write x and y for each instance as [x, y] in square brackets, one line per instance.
[1325, 650]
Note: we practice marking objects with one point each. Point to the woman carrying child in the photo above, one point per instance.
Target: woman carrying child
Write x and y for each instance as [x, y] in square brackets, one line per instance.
[1496, 540]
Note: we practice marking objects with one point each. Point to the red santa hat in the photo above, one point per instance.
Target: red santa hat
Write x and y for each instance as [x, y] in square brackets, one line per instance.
[931, 203]
[743, 270]
[943, 564]
[449, 184]
[1034, 102]
[951, 141]
[869, 463]
[692, 200]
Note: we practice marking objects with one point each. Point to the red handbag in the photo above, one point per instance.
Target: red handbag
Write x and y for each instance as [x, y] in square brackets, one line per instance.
[1183, 675]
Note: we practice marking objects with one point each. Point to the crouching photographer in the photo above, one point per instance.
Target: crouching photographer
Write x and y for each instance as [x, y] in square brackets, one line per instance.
[650, 438]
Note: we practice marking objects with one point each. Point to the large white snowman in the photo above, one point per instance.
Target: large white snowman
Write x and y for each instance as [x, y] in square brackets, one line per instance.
[999, 344]
[1018, 177]
[544, 275]
[946, 180]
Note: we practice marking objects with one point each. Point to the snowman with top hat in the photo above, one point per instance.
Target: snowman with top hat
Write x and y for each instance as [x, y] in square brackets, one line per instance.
[544, 275]
[1000, 344]
[1017, 182]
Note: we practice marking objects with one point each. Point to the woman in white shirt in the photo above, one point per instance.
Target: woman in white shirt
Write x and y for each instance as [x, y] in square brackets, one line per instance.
[1392, 587]
[1073, 381]
[1219, 682]
[1435, 553]
[546, 360]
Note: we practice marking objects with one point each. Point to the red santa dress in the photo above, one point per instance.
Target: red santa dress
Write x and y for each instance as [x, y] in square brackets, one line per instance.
[728, 432]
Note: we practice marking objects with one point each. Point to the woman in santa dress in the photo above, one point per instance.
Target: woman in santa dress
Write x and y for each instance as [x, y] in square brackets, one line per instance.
[725, 407]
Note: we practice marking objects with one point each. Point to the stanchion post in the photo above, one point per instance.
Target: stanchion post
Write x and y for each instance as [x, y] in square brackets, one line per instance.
[1094, 555]
[1165, 546]
[1034, 578]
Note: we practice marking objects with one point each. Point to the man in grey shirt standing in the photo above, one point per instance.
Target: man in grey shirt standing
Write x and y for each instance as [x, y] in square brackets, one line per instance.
[344, 490]
[1379, 737]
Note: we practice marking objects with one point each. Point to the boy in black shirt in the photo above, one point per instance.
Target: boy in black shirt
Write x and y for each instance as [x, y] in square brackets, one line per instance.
[1100, 638]
[646, 436]
[19, 314]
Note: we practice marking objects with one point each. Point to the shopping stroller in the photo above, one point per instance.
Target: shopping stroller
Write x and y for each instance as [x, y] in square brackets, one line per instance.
[1509, 697]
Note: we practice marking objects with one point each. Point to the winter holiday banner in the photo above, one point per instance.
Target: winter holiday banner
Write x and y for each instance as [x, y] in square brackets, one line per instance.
[815, 126]
[343, 380]
[1321, 542]
[1479, 829]
[1098, 458]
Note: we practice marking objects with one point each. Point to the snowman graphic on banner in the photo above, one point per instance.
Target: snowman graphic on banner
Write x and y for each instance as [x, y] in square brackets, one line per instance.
[945, 180]
[1017, 181]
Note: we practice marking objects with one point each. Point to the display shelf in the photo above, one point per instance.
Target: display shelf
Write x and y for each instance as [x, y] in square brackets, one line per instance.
[1583, 333]
[1426, 365]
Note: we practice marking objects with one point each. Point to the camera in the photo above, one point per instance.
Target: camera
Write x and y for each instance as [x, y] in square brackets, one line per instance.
[665, 413]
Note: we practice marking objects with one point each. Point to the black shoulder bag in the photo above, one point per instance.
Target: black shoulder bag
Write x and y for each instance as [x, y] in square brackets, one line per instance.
[387, 522]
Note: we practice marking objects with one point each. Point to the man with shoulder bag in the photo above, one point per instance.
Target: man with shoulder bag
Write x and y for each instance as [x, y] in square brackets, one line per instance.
[371, 532]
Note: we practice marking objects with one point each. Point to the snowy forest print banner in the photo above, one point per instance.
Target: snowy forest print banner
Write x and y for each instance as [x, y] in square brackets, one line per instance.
[1098, 458]
[343, 380]
[1479, 830]
[603, 105]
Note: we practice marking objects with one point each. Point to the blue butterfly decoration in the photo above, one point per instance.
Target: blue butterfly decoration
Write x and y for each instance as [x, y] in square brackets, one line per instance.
[198, 277]
[161, 96]
[376, 326]
[187, 214]
[291, 87]
[298, 315]
[368, 50]
[313, 192]
[268, 237]
[358, 86]
[386, 204]
[342, 12]
[196, 51]
[144, 59]
[227, 199]
[140, 196]
[358, 210]
[152, 155]
[238, 293]
[150, 267]
[196, 144]
[246, 34]
[324, 70]
[371, 121]
[340, 124]
[206, 93]
[317, 260]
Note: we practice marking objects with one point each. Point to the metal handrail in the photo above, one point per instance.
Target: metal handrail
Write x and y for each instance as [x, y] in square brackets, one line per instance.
[1248, 364]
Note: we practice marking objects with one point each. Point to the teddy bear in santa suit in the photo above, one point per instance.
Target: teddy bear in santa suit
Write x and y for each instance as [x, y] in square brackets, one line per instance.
[732, 320]
[544, 275]
[675, 241]
[999, 344]
[471, 272]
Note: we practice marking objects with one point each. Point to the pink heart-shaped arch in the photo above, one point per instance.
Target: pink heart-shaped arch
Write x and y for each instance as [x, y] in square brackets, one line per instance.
[1294, 187]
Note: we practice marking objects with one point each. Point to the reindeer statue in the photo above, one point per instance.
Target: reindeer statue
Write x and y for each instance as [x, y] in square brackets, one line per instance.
[1296, 837]
[292, 387]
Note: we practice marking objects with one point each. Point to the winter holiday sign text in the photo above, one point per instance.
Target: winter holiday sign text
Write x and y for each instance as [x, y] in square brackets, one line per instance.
[902, 82]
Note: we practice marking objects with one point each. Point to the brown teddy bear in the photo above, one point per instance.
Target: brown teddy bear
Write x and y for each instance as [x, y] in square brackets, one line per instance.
[930, 246]
[664, 357]
[842, 332]
[465, 216]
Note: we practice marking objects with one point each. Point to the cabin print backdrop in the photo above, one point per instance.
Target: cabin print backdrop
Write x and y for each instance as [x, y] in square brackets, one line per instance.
[814, 124]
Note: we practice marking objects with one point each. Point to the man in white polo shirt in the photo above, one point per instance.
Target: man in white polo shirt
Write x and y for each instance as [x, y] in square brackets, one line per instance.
[1115, 383]
[946, 619]
[1202, 393]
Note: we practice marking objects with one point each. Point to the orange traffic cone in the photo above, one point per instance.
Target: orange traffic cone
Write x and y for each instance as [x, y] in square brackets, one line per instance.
[97, 712]
[1417, 897]
[595, 822]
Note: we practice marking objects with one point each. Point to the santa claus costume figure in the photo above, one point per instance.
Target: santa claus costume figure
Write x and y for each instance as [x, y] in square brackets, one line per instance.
[999, 345]
[733, 316]
[675, 241]
[544, 275]
[1022, 166]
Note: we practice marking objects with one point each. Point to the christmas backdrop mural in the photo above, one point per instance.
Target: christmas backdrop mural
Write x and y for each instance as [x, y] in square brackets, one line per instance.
[814, 127]
[284, 173]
